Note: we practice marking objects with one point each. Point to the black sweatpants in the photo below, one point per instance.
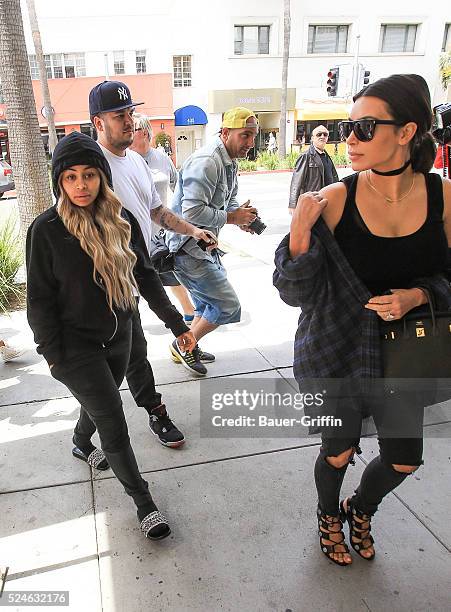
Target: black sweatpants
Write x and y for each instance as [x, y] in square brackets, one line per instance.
[139, 375]
[95, 383]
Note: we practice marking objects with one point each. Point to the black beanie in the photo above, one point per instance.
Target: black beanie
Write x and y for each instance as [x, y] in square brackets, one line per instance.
[78, 149]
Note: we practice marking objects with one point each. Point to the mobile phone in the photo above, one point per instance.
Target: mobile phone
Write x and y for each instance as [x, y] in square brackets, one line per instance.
[203, 244]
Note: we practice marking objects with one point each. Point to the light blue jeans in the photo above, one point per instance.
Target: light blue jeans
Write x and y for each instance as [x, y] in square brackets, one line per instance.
[214, 297]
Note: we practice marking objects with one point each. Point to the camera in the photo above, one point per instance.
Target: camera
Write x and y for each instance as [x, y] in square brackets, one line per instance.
[441, 129]
[257, 226]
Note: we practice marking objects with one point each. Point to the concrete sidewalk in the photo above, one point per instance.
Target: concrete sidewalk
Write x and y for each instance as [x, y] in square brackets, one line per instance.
[242, 510]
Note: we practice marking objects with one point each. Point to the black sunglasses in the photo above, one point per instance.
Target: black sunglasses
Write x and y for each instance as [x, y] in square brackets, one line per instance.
[322, 134]
[363, 128]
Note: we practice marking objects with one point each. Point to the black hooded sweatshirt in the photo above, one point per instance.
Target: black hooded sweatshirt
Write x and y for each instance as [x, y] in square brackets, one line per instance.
[67, 311]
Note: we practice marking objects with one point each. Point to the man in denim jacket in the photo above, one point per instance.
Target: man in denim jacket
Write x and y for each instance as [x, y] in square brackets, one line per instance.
[206, 197]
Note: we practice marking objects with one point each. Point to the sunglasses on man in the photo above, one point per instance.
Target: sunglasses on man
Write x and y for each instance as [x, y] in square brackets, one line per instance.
[319, 134]
[363, 128]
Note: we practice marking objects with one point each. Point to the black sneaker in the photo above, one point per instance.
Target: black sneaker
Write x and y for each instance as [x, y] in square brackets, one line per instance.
[161, 425]
[203, 355]
[188, 359]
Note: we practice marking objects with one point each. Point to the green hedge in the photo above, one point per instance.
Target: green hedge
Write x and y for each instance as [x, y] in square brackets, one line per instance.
[271, 161]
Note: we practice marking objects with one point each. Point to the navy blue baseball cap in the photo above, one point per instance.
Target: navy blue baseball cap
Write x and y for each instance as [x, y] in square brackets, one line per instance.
[110, 96]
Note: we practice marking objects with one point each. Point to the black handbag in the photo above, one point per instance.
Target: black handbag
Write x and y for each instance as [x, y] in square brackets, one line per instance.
[160, 256]
[418, 345]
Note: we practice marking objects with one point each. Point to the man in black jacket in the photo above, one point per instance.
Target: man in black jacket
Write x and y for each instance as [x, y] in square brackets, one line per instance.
[314, 168]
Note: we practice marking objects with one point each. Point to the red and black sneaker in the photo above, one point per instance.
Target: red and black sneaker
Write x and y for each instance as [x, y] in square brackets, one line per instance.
[161, 426]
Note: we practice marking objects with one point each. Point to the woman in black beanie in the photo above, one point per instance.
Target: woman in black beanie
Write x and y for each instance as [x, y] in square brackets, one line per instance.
[86, 261]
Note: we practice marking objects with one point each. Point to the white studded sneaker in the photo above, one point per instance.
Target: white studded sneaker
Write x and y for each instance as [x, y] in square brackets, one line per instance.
[8, 353]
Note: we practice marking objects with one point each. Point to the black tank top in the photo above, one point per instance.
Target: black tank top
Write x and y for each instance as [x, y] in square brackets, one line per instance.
[393, 263]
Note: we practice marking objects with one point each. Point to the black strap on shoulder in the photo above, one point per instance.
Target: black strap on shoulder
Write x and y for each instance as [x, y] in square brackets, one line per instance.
[350, 182]
[434, 188]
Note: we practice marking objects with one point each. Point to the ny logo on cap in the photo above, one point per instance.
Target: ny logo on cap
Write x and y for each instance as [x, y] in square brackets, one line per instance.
[123, 95]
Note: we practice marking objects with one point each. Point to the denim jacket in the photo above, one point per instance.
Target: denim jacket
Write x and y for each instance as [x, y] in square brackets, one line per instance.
[205, 192]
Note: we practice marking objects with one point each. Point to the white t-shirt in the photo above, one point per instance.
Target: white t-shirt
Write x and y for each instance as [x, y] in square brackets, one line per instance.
[158, 160]
[133, 184]
[161, 182]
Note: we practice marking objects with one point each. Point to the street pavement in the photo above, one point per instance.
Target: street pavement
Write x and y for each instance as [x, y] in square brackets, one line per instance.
[241, 509]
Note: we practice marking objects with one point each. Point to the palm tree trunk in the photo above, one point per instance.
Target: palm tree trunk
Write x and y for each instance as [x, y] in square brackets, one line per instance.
[48, 108]
[26, 146]
[283, 99]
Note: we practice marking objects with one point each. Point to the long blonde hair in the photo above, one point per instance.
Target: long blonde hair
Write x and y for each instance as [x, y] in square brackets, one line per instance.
[104, 235]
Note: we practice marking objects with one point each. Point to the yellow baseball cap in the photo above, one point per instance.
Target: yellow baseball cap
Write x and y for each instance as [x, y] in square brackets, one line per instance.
[237, 117]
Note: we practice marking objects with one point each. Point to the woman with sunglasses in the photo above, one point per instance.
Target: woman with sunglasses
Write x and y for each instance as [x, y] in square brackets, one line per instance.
[360, 252]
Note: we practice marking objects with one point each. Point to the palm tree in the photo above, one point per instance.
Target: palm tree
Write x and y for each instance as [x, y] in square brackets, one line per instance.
[26, 146]
[283, 100]
[48, 108]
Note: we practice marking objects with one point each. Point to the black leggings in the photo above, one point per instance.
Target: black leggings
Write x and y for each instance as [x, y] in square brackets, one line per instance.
[95, 384]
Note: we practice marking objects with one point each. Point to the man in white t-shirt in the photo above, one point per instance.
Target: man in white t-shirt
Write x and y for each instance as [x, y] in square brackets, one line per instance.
[111, 108]
[161, 166]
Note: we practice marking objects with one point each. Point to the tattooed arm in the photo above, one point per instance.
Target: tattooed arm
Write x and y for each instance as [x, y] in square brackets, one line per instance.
[168, 220]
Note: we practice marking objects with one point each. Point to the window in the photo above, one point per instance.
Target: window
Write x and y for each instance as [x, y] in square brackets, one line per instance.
[447, 38]
[80, 66]
[182, 70]
[34, 70]
[398, 38]
[60, 66]
[74, 65]
[89, 130]
[119, 64]
[141, 61]
[327, 39]
[48, 66]
[252, 39]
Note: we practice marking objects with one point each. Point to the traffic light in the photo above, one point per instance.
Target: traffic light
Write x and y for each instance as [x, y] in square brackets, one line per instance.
[332, 81]
[364, 77]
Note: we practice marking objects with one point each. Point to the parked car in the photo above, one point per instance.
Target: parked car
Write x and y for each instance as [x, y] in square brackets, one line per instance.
[6, 178]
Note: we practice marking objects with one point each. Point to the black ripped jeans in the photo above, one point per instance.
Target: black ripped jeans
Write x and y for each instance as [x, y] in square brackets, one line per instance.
[399, 424]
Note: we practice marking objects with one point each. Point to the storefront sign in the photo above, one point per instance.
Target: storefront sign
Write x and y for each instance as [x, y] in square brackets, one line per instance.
[256, 99]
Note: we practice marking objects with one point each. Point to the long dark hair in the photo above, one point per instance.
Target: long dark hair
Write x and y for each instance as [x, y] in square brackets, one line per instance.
[408, 99]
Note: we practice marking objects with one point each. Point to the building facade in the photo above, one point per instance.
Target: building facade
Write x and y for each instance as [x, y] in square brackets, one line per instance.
[212, 55]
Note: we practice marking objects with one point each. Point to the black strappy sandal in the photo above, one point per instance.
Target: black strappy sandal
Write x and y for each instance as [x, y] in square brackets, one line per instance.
[329, 548]
[359, 523]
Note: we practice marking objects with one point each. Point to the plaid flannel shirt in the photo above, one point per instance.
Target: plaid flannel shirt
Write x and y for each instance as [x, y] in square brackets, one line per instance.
[336, 337]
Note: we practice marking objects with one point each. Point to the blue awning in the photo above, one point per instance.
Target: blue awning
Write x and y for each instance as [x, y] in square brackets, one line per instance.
[190, 115]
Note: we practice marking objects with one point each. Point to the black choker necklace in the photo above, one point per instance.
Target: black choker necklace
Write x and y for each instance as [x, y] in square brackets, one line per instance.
[393, 172]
